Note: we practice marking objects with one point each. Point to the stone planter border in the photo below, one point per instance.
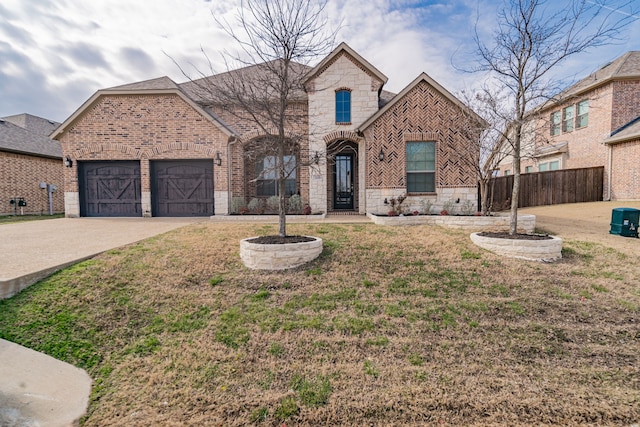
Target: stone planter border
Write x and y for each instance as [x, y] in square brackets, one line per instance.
[498, 222]
[532, 250]
[259, 256]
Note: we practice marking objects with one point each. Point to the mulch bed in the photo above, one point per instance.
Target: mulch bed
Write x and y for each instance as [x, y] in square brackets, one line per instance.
[279, 240]
[519, 236]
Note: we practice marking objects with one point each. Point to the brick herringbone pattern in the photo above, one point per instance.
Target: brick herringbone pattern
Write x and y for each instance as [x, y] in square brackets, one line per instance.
[422, 115]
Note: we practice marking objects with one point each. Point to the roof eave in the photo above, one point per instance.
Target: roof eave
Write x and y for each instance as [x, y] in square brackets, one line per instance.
[115, 92]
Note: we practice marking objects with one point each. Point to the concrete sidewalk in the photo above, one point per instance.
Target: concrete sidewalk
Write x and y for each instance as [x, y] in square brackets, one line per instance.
[37, 390]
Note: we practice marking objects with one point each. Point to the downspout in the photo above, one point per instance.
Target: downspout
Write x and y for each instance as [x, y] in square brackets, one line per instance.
[232, 140]
[610, 172]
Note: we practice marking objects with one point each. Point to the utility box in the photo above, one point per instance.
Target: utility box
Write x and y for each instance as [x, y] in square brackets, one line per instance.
[624, 222]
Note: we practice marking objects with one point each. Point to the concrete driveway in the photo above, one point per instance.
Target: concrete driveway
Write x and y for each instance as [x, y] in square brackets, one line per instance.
[588, 222]
[32, 250]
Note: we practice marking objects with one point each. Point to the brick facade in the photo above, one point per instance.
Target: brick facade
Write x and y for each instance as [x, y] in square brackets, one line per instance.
[141, 128]
[158, 119]
[614, 103]
[21, 175]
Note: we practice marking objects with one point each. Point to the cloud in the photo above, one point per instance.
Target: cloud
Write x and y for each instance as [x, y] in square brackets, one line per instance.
[138, 59]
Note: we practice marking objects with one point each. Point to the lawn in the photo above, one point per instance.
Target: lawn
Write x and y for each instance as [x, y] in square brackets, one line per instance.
[9, 219]
[390, 326]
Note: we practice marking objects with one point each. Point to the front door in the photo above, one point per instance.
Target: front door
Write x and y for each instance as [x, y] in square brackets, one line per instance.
[343, 183]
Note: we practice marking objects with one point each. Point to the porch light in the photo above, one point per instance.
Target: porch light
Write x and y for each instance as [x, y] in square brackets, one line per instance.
[218, 159]
[316, 159]
[381, 155]
[68, 162]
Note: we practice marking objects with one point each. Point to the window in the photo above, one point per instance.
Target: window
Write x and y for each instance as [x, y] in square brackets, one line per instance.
[582, 118]
[528, 169]
[567, 119]
[555, 123]
[543, 167]
[421, 167]
[554, 166]
[343, 106]
[267, 173]
[507, 172]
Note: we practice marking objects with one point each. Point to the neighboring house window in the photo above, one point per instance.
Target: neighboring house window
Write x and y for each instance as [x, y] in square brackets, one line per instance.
[528, 169]
[421, 167]
[549, 166]
[555, 123]
[567, 119]
[267, 173]
[582, 118]
[507, 172]
[343, 106]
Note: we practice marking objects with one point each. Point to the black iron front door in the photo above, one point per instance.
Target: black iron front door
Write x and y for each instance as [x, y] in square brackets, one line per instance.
[343, 182]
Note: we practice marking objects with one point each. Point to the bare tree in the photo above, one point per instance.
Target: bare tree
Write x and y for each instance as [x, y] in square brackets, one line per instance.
[532, 38]
[263, 83]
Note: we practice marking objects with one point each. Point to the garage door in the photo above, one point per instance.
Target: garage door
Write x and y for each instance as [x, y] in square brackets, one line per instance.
[182, 187]
[110, 188]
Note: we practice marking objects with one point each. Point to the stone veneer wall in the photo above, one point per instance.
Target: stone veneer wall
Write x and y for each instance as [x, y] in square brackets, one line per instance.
[343, 73]
[526, 223]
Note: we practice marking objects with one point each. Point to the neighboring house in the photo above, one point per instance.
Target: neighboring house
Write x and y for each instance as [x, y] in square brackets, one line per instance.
[595, 122]
[29, 158]
[157, 148]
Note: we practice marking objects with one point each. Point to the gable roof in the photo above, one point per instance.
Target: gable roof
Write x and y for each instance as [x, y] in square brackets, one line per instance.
[344, 48]
[161, 85]
[28, 136]
[424, 77]
[625, 67]
[252, 78]
[33, 123]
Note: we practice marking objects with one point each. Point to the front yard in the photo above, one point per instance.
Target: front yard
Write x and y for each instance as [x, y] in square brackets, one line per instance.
[390, 326]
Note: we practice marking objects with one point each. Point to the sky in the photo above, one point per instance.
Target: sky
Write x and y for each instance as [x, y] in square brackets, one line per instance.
[55, 54]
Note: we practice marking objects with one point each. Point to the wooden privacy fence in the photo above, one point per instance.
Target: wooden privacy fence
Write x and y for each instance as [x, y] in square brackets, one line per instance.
[549, 188]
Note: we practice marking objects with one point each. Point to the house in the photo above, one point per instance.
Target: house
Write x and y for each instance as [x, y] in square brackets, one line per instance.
[157, 148]
[30, 166]
[595, 122]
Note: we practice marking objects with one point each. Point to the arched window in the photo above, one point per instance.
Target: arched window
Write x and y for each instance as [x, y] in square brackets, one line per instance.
[343, 106]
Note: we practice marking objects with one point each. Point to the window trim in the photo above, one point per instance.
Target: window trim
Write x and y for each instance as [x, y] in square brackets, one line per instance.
[568, 122]
[340, 112]
[272, 178]
[579, 116]
[422, 172]
[555, 127]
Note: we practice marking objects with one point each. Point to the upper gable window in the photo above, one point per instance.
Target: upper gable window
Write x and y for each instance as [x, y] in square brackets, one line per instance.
[343, 106]
[567, 119]
[582, 119]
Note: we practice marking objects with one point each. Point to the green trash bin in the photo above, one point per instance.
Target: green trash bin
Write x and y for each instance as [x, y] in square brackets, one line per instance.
[624, 222]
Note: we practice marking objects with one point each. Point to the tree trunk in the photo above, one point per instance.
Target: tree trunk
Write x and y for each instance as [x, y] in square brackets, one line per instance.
[515, 193]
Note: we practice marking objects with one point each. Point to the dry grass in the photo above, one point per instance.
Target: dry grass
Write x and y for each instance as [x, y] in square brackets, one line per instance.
[390, 326]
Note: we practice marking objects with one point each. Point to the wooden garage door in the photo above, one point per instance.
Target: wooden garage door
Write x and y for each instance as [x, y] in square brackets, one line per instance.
[182, 187]
[110, 188]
